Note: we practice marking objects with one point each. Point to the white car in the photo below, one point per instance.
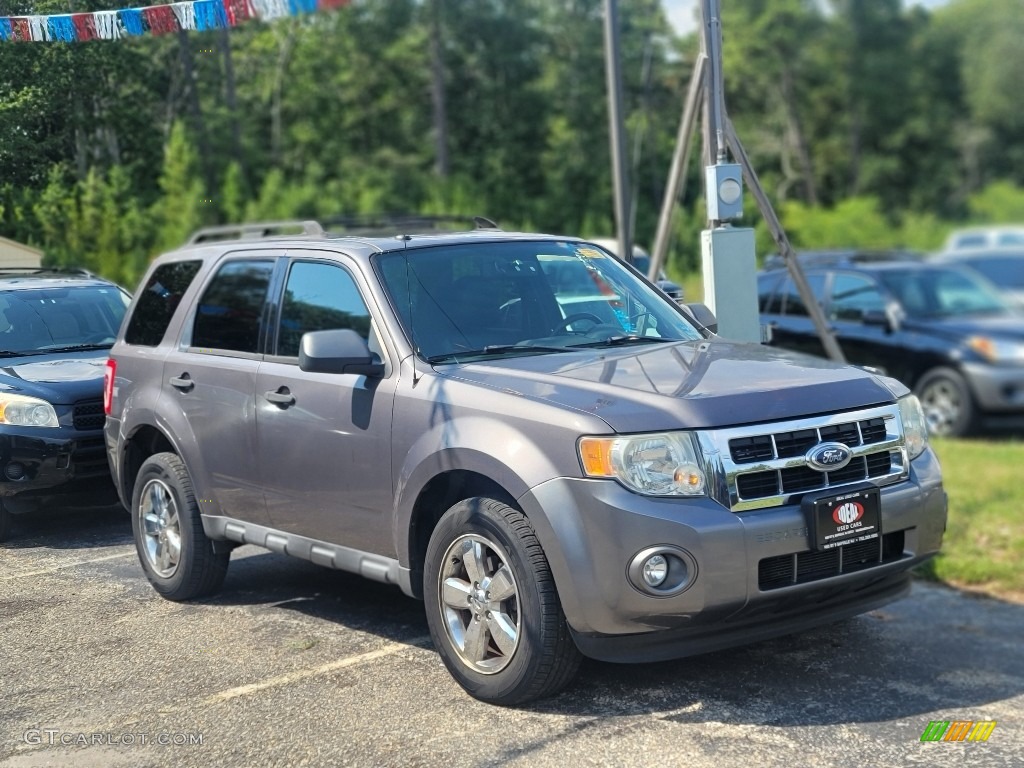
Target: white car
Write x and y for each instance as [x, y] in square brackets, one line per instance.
[985, 237]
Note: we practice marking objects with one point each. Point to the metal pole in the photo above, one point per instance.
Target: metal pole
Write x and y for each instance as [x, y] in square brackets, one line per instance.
[828, 340]
[711, 30]
[676, 183]
[617, 131]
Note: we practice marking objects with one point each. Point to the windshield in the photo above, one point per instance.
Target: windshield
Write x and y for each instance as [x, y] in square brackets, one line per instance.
[461, 301]
[43, 319]
[943, 292]
[1005, 271]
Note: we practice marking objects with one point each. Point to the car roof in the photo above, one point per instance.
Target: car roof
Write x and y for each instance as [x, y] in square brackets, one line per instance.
[213, 241]
[966, 254]
[845, 257]
[24, 278]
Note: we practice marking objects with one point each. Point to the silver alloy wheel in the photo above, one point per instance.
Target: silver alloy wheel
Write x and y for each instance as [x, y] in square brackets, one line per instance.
[479, 599]
[160, 527]
[943, 404]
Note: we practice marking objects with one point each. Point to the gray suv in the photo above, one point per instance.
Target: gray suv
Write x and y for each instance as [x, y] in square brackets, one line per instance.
[518, 430]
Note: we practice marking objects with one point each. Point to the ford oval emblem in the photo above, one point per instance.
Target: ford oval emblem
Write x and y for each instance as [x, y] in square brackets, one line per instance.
[828, 457]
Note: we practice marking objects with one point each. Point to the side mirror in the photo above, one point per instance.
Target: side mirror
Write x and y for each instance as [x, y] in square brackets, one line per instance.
[338, 351]
[889, 318]
[703, 315]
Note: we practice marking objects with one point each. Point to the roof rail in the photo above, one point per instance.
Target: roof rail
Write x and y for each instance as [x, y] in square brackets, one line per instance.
[255, 231]
[385, 224]
[13, 270]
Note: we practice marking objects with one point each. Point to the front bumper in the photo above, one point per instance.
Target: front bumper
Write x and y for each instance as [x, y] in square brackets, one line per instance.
[591, 530]
[997, 389]
[60, 462]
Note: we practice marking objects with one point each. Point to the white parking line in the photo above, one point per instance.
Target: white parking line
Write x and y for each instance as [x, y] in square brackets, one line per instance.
[351, 661]
[65, 566]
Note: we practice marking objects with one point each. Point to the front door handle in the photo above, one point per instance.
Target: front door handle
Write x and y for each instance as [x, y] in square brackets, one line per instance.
[183, 382]
[281, 397]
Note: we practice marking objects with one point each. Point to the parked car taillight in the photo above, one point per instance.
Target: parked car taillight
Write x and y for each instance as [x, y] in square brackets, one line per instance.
[108, 384]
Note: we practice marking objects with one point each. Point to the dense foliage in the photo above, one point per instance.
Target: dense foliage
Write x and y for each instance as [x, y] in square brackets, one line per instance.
[870, 124]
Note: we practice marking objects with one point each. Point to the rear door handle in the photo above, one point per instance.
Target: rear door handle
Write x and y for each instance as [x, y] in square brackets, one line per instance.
[183, 382]
[281, 397]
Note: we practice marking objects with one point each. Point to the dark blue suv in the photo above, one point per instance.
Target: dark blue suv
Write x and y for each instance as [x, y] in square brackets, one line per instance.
[942, 330]
[56, 329]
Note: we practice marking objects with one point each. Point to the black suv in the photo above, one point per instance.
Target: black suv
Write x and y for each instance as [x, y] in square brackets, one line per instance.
[55, 330]
[942, 330]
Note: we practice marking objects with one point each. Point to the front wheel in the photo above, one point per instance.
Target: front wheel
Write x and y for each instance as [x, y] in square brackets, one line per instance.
[492, 607]
[176, 555]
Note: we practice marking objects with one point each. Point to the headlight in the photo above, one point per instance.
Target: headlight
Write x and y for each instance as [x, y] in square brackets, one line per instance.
[655, 465]
[996, 350]
[915, 426]
[22, 411]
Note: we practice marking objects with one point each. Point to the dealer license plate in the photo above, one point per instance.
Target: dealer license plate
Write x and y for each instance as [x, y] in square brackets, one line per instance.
[846, 518]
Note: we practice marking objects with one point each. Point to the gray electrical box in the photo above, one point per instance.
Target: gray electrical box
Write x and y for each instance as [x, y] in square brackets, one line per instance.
[724, 188]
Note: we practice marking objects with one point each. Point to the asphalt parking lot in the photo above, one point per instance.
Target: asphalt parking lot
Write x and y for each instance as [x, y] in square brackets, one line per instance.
[293, 665]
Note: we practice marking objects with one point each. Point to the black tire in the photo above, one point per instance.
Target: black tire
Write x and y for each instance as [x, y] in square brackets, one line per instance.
[165, 518]
[6, 522]
[522, 650]
[948, 403]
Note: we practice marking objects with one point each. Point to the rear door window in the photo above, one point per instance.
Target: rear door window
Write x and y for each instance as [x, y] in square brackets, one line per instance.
[230, 313]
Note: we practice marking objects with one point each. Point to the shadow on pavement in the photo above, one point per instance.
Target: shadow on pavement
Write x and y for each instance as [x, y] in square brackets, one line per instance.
[938, 649]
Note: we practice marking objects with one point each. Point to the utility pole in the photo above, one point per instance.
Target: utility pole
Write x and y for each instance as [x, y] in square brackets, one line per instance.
[727, 252]
[616, 126]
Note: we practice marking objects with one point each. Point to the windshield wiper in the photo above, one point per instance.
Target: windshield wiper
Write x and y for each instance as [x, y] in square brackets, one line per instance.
[618, 341]
[71, 348]
[497, 349]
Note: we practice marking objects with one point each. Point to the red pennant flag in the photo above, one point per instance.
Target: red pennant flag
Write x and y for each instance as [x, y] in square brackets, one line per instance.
[85, 26]
[20, 27]
[238, 11]
[161, 19]
[324, 5]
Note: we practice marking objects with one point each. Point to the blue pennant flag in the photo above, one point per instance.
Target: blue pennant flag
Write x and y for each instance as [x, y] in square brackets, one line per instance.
[61, 28]
[131, 18]
[210, 14]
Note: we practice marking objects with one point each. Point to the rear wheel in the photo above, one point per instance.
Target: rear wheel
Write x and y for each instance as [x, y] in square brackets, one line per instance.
[178, 558]
[6, 521]
[947, 402]
[492, 607]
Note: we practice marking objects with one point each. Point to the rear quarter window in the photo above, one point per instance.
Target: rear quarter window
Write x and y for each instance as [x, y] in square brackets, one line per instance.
[157, 302]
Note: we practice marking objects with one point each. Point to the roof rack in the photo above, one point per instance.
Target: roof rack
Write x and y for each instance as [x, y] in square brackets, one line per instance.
[256, 231]
[386, 224]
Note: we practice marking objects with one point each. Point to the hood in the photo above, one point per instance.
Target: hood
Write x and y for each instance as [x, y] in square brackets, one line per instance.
[59, 378]
[697, 385]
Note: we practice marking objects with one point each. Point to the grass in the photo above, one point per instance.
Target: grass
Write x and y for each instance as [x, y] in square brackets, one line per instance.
[984, 544]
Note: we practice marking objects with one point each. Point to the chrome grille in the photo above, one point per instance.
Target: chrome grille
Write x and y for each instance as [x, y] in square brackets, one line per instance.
[764, 465]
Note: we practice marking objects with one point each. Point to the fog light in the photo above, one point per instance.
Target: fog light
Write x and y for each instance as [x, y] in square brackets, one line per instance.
[15, 471]
[655, 570]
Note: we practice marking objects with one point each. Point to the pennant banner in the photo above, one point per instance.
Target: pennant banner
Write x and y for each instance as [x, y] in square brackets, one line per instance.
[153, 19]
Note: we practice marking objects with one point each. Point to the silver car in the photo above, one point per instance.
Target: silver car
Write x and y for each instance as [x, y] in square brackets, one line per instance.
[518, 430]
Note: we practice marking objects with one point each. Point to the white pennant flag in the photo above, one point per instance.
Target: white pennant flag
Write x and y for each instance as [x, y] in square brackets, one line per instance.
[107, 25]
[271, 9]
[186, 14]
[37, 29]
